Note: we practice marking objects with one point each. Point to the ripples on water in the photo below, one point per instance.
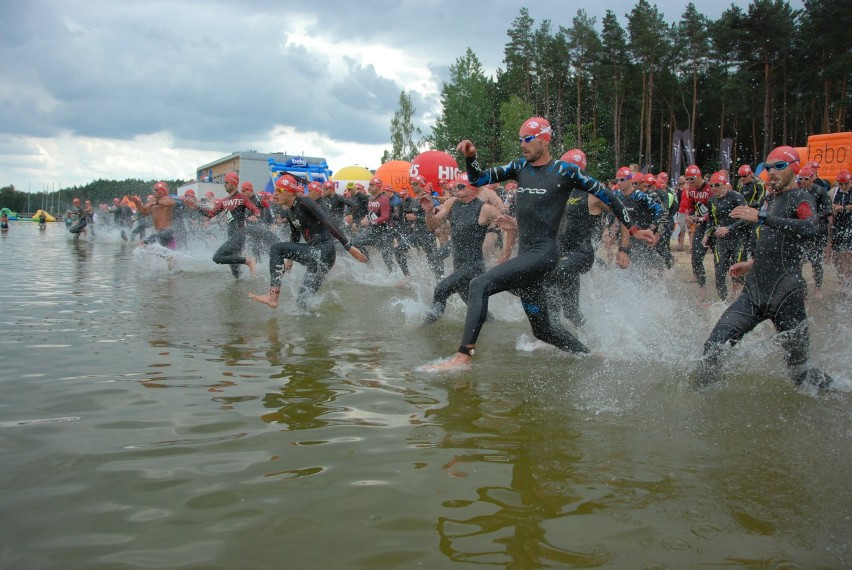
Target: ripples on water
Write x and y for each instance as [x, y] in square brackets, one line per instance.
[150, 419]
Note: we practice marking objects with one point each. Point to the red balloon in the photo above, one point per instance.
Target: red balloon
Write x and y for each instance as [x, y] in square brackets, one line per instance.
[435, 166]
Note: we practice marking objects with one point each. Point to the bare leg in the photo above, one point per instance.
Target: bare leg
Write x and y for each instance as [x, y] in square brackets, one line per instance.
[251, 263]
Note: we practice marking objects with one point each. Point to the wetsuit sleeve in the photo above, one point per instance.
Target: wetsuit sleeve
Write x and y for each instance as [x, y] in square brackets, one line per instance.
[823, 204]
[384, 211]
[213, 211]
[660, 214]
[602, 193]
[803, 225]
[479, 177]
[250, 205]
[738, 224]
[320, 214]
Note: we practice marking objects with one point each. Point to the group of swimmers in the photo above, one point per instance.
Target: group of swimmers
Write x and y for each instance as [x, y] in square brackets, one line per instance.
[555, 213]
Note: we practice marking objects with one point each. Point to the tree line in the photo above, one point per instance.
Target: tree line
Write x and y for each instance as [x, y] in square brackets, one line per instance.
[99, 192]
[762, 76]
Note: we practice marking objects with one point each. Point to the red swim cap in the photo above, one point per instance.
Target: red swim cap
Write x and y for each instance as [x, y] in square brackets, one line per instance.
[650, 179]
[286, 183]
[375, 181]
[232, 178]
[692, 170]
[161, 187]
[247, 186]
[719, 177]
[624, 173]
[744, 170]
[575, 156]
[330, 184]
[314, 187]
[787, 154]
[806, 171]
[844, 176]
[190, 192]
[537, 126]
[418, 180]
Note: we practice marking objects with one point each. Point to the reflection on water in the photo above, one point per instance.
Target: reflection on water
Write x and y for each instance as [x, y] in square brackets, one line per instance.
[151, 419]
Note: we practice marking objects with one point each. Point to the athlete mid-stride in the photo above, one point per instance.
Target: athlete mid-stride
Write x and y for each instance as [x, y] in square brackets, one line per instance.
[544, 185]
[311, 222]
[235, 207]
[774, 287]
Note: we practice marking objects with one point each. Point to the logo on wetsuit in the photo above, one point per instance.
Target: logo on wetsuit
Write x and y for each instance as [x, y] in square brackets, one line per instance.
[522, 190]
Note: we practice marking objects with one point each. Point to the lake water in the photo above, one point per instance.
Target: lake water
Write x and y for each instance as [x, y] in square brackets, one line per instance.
[157, 420]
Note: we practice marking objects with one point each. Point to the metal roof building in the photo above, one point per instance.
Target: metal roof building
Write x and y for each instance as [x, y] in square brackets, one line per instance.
[250, 165]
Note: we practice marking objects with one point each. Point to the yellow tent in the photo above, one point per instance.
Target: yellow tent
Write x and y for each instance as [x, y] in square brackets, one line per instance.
[47, 216]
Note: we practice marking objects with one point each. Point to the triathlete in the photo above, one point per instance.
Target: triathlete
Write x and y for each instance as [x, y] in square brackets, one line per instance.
[235, 206]
[414, 232]
[841, 231]
[694, 205]
[160, 209]
[774, 287]
[375, 225]
[646, 212]
[815, 248]
[723, 232]
[544, 185]
[310, 221]
[469, 219]
[260, 236]
[76, 211]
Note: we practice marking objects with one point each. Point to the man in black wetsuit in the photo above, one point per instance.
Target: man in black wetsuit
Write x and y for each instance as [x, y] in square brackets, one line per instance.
[815, 248]
[414, 232]
[647, 212]
[259, 233]
[469, 219]
[544, 185]
[310, 221]
[334, 203]
[235, 207]
[723, 233]
[841, 229]
[579, 227]
[774, 287]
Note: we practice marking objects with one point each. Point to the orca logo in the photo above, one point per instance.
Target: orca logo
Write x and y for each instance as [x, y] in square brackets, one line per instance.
[522, 190]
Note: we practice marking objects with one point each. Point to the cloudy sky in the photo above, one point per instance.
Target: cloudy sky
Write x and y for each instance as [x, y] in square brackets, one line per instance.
[153, 89]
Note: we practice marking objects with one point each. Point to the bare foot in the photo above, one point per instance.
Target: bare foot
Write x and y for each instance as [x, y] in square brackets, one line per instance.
[270, 298]
[458, 361]
[251, 263]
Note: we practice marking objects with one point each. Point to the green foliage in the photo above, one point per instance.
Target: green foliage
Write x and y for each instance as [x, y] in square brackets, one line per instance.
[403, 132]
[765, 75]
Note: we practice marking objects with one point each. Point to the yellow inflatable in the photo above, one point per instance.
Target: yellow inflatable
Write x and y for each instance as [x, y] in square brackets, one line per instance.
[47, 216]
[351, 174]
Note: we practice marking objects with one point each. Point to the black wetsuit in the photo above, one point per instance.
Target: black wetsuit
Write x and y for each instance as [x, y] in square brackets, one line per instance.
[728, 249]
[379, 231]
[335, 206]
[309, 221]
[814, 248]
[540, 202]
[774, 288]
[647, 213]
[754, 194]
[260, 236]
[576, 254]
[466, 239]
[841, 232]
[237, 208]
[415, 234]
[81, 222]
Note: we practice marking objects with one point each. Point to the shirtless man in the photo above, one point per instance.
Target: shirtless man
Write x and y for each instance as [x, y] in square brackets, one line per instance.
[160, 209]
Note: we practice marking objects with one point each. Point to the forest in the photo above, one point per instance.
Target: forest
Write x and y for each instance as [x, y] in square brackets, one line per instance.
[761, 76]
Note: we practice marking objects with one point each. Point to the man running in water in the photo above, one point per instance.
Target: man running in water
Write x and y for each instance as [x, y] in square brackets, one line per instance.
[235, 207]
[544, 186]
[76, 210]
[694, 205]
[841, 229]
[814, 250]
[774, 287]
[469, 219]
[160, 209]
[310, 221]
[723, 233]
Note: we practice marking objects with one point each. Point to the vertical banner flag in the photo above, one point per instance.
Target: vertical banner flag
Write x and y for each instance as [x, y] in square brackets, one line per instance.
[688, 148]
[676, 159]
[725, 154]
